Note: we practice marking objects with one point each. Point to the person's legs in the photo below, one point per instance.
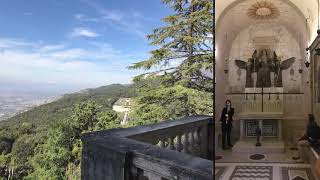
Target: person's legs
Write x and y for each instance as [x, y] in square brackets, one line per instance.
[223, 130]
[301, 146]
[229, 136]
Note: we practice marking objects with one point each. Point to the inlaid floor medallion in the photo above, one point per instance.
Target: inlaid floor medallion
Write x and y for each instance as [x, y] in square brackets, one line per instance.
[257, 157]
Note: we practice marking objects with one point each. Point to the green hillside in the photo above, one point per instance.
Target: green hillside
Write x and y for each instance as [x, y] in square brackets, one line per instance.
[23, 136]
[46, 114]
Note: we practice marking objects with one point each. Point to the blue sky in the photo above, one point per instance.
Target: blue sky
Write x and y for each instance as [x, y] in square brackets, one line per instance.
[62, 46]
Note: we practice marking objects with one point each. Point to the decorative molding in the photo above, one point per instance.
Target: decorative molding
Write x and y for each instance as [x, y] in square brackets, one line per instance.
[263, 10]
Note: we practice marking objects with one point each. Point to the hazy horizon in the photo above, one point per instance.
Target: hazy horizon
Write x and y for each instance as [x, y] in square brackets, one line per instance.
[39, 89]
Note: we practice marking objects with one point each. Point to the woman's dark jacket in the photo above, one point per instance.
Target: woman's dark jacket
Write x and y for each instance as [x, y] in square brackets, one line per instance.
[230, 117]
[313, 132]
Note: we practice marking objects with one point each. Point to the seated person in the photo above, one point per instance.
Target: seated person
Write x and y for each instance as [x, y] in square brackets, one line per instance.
[312, 135]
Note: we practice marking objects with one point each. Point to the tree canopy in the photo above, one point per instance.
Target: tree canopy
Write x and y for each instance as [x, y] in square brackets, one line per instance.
[179, 80]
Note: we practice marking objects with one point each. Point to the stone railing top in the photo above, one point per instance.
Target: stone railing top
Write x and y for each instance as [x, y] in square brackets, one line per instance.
[185, 165]
[132, 131]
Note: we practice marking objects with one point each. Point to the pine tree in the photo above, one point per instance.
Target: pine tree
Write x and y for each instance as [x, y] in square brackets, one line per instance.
[180, 69]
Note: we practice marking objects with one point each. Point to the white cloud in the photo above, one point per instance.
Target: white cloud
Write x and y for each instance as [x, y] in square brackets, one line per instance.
[83, 32]
[9, 43]
[97, 65]
[47, 48]
[127, 22]
[113, 15]
[68, 53]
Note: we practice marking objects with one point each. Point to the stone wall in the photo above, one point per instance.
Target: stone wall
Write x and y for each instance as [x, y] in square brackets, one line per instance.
[132, 153]
[314, 87]
[293, 129]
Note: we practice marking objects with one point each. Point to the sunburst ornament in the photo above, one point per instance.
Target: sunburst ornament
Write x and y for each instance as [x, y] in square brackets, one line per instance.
[263, 10]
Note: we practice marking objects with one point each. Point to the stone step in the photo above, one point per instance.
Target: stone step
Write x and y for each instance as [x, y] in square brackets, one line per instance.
[266, 147]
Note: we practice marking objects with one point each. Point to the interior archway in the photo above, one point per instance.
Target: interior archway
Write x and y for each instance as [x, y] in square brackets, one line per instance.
[288, 22]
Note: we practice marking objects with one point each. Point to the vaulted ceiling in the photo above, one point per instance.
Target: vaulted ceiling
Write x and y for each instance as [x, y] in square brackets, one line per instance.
[298, 16]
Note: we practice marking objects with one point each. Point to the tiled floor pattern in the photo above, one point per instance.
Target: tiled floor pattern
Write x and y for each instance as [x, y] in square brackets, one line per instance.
[229, 156]
[263, 171]
[275, 166]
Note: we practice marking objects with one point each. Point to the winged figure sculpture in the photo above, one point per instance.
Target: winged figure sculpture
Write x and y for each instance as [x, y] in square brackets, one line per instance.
[263, 64]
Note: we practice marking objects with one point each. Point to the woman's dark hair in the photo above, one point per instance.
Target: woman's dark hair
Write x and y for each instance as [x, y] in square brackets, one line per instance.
[311, 117]
[228, 100]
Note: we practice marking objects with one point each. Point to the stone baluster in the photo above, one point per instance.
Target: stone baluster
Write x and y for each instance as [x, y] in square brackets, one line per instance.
[136, 173]
[199, 136]
[196, 146]
[162, 143]
[192, 142]
[204, 139]
[186, 143]
[171, 143]
[196, 136]
[179, 145]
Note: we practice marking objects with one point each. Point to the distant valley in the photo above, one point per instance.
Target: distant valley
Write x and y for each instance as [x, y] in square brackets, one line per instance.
[10, 105]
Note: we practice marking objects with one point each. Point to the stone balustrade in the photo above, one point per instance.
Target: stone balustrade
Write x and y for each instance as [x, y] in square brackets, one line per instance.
[186, 138]
[176, 149]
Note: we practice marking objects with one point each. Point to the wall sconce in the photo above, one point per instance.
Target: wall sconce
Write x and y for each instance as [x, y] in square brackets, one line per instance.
[226, 66]
[307, 64]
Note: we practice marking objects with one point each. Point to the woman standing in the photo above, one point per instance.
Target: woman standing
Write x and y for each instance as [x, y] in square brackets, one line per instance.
[226, 123]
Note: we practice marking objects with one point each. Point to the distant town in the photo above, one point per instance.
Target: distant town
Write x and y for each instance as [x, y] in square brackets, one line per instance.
[14, 104]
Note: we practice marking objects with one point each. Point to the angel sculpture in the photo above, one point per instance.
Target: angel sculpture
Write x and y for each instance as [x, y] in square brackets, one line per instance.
[263, 65]
[279, 66]
[264, 69]
[249, 67]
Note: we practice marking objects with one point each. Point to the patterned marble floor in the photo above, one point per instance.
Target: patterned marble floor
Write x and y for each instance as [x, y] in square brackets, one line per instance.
[263, 171]
[234, 157]
[275, 166]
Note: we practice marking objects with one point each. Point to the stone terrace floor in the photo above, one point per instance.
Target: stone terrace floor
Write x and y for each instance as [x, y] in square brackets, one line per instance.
[231, 165]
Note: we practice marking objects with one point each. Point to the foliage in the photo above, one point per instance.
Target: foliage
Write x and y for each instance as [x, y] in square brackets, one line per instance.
[183, 85]
[5, 145]
[59, 157]
[44, 142]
